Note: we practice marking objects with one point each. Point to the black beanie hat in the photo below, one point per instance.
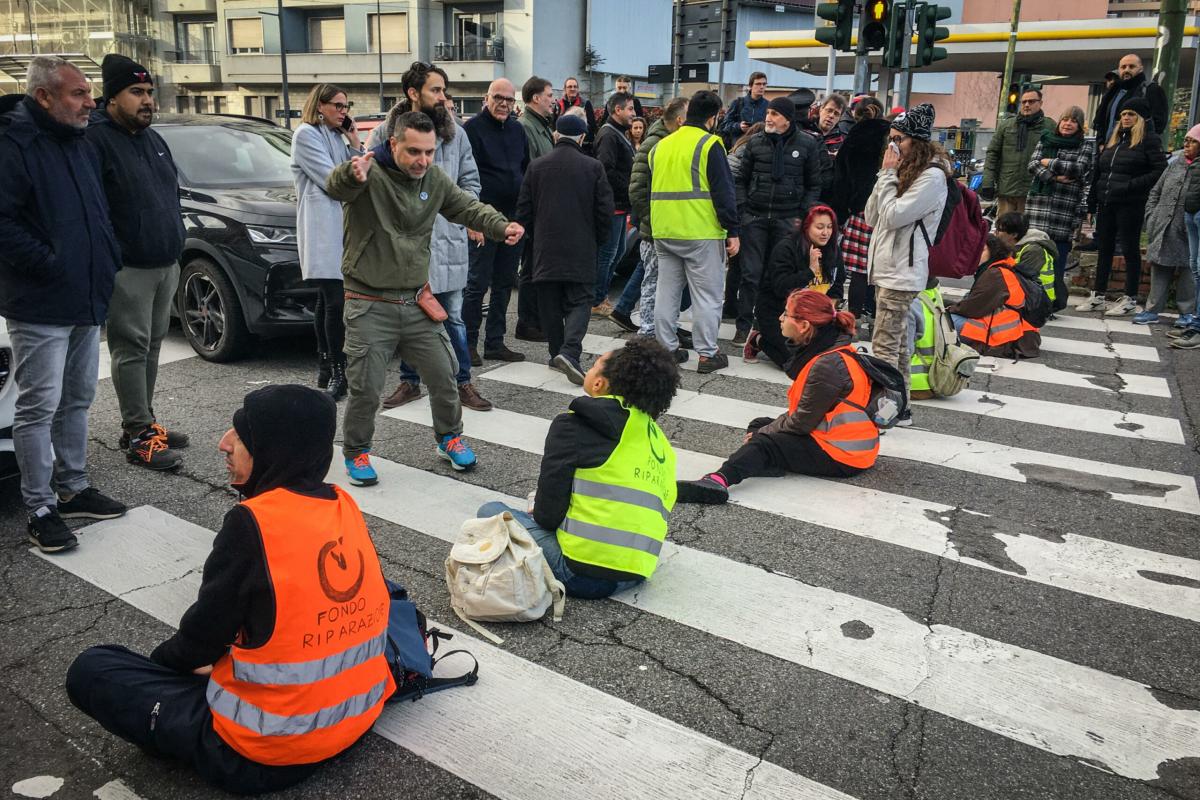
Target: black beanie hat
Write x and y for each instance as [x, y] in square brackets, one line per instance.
[120, 72]
[916, 122]
[1137, 105]
[782, 105]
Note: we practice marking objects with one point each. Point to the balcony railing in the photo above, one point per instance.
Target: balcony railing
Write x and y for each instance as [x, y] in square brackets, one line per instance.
[485, 50]
[191, 57]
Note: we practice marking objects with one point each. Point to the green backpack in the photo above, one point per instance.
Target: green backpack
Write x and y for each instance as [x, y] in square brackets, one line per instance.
[953, 362]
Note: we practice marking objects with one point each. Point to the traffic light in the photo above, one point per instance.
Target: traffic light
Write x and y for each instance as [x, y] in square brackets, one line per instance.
[929, 33]
[1014, 98]
[841, 14]
[899, 36]
[874, 25]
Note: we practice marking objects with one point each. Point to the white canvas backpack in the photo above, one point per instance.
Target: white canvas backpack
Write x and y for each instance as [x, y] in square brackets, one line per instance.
[496, 573]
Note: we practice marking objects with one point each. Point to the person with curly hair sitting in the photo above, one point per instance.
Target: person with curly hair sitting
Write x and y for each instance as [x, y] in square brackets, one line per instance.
[607, 482]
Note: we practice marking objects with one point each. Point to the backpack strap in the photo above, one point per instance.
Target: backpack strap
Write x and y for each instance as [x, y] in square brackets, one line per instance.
[557, 590]
[475, 626]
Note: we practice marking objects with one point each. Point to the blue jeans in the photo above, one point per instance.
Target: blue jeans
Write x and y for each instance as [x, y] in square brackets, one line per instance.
[632, 291]
[453, 303]
[959, 322]
[1192, 223]
[608, 255]
[577, 585]
[55, 369]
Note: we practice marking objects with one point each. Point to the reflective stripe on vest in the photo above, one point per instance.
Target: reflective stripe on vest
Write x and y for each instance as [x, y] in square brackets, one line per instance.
[847, 433]
[1005, 324]
[681, 205]
[923, 348]
[319, 682]
[1046, 271]
[617, 517]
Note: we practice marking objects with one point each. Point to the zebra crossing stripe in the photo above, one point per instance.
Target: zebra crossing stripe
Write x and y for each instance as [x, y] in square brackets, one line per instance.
[1039, 700]
[1107, 570]
[174, 348]
[1134, 485]
[1076, 347]
[1148, 385]
[152, 561]
[969, 401]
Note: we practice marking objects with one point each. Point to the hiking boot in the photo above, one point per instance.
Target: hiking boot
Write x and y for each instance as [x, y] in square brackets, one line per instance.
[1094, 302]
[624, 321]
[605, 309]
[456, 451]
[476, 361]
[681, 356]
[568, 367]
[49, 533]
[339, 384]
[1189, 341]
[175, 439]
[360, 470]
[750, 351]
[685, 338]
[1177, 331]
[323, 370]
[503, 353]
[740, 336]
[529, 333]
[469, 397]
[1145, 318]
[149, 449]
[712, 363]
[90, 504]
[405, 393]
[1121, 307]
[705, 491]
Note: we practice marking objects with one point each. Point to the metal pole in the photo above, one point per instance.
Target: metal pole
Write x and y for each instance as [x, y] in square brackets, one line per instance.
[1194, 108]
[29, 25]
[1171, 17]
[675, 47]
[1001, 108]
[906, 56]
[287, 104]
[830, 71]
[886, 79]
[862, 66]
[721, 64]
[379, 47]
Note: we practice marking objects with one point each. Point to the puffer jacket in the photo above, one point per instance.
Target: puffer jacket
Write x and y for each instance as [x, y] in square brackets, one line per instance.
[786, 195]
[890, 265]
[855, 167]
[1005, 168]
[1166, 232]
[1124, 175]
[639, 180]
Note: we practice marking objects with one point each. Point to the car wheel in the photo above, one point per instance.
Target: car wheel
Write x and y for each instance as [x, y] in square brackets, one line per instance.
[211, 312]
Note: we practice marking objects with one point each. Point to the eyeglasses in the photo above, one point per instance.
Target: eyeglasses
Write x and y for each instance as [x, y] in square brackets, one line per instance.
[343, 106]
[500, 99]
[895, 139]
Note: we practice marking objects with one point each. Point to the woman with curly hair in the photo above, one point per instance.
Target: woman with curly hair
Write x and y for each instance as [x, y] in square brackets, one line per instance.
[828, 429]
[607, 483]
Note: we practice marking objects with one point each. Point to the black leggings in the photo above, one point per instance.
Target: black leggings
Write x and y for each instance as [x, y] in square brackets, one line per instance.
[1120, 224]
[772, 455]
[327, 319]
[862, 295]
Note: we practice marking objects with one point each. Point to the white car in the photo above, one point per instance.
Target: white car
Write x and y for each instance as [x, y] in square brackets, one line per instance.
[8, 396]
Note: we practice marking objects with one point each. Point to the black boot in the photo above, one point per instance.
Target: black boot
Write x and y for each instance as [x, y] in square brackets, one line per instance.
[338, 386]
[324, 370]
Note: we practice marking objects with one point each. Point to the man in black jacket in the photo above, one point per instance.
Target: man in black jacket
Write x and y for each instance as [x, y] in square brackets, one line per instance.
[777, 179]
[614, 151]
[58, 257]
[1131, 82]
[502, 154]
[566, 206]
[624, 85]
[142, 187]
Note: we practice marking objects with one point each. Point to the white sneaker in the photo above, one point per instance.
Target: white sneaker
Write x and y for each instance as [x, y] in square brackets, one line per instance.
[1094, 302]
[1121, 307]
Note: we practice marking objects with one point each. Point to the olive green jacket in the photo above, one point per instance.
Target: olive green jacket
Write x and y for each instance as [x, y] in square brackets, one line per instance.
[539, 133]
[387, 222]
[1004, 167]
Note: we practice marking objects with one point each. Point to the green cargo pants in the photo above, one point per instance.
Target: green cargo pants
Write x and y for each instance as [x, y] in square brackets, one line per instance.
[138, 318]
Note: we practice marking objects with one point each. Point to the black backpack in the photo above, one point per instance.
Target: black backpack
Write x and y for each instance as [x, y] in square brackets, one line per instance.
[1037, 308]
[886, 383]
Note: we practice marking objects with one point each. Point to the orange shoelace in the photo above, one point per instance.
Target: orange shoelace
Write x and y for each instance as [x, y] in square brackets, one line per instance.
[362, 461]
[456, 446]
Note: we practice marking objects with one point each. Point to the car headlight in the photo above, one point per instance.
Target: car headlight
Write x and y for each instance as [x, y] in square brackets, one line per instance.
[263, 234]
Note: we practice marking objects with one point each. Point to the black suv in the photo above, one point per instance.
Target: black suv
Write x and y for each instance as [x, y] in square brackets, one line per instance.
[240, 273]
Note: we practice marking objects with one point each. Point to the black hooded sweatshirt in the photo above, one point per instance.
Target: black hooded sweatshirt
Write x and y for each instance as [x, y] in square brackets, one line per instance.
[236, 601]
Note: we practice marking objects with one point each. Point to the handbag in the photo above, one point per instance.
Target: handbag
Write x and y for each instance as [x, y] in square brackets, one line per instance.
[430, 305]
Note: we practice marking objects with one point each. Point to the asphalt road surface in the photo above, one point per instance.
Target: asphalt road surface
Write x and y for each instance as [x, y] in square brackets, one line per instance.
[1006, 607]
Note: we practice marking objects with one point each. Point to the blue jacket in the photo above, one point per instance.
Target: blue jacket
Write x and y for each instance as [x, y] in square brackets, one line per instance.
[743, 109]
[58, 253]
[501, 155]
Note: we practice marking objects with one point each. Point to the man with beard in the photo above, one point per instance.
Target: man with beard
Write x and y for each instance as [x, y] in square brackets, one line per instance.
[1006, 175]
[571, 99]
[1130, 82]
[142, 186]
[424, 88]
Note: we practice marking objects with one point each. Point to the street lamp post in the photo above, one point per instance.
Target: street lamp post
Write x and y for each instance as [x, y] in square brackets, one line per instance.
[379, 48]
[287, 105]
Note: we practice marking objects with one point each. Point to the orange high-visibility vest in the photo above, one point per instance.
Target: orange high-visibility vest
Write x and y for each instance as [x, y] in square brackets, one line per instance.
[1005, 324]
[320, 681]
[847, 434]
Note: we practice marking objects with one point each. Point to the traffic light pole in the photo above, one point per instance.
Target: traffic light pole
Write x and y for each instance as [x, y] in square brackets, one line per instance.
[1008, 60]
[1171, 16]
[862, 66]
[675, 40]
[906, 54]
[721, 66]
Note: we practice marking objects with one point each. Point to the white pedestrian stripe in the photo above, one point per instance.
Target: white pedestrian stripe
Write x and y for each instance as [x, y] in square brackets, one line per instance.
[1081, 564]
[1043, 412]
[174, 348]
[1077, 347]
[1145, 487]
[1148, 385]
[1027, 696]
[484, 733]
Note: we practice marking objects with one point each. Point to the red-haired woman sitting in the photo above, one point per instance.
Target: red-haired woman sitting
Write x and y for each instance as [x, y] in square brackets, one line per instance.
[829, 427]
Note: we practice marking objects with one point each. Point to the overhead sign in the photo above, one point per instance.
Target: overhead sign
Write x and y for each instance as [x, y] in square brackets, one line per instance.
[688, 73]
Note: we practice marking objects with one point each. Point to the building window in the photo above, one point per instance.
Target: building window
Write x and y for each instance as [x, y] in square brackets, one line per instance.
[201, 104]
[392, 29]
[249, 106]
[246, 35]
[182, 104]
[326, 35]
[196, 42]
[270, 106]
[219, 105]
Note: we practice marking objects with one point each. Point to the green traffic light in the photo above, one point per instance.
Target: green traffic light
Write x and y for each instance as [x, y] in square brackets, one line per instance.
[841, 14]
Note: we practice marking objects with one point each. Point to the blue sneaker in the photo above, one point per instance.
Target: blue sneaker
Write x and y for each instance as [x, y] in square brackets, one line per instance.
[360, 470]
[1145, 318]
[456, 451]
[1185, 320]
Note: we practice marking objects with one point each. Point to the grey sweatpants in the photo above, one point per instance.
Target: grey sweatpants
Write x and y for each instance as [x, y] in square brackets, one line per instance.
[375, 330]
[699, 264]
[138, 318]
[1160, 286]
[55, 368]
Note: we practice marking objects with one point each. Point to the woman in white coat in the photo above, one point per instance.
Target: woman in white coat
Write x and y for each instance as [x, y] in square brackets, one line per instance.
[318, 145]
[910, 190]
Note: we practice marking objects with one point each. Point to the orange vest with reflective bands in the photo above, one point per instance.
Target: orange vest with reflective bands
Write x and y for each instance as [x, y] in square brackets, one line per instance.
[1005, 324]
[320, 681]
[847, 434]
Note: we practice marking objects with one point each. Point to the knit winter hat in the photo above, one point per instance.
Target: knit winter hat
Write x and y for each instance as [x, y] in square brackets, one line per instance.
[571, 125]
[120, 72]
[916, 122]
[781, 105]
[1194, 132]
[1136, 105]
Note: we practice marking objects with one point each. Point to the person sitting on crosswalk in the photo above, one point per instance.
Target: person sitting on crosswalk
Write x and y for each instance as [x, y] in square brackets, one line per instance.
[1036, 256]
[607, 482]
[990, 317]
[828, 429]
[278, 665]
